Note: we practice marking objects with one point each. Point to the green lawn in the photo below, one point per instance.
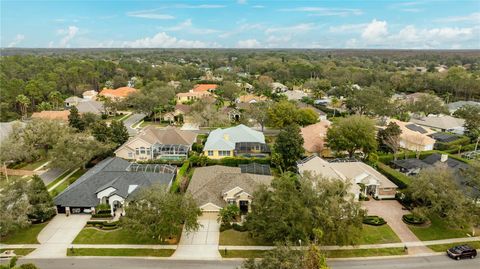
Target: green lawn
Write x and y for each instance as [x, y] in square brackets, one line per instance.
[438, 230]
[31, 166]
[444, 247]
[68, 182]
[25, 236]
[19, 251]
[119, 236]
[140, 252]
[236, 238]
[377, 235]
[148, 123]
[365, 252]
[330, 253]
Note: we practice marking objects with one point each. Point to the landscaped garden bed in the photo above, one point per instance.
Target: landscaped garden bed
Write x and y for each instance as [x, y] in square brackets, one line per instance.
[414, 220]
[374, 220]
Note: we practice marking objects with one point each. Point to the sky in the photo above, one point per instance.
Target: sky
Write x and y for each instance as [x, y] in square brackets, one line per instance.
[420, 24]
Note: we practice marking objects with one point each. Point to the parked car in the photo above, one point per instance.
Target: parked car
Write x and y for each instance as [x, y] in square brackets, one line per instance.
[463, 251]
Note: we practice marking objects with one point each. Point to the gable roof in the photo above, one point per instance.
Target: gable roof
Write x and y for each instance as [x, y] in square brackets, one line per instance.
[314, 135]
[459, 104]
[90, 106]
[225, 139]
[111, 172]
[204, 87]
[208, 184]
[445, 122]
[121, 92]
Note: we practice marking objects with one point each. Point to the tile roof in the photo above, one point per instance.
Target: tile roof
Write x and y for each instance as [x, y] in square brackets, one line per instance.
[52, 115]
[208, 184]
[204, 87]
[111, 172]
[225, 139]
[314, 136]
[121, 92]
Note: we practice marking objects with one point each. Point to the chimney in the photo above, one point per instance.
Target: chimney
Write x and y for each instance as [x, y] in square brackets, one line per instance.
[226, 137]
[444, 158]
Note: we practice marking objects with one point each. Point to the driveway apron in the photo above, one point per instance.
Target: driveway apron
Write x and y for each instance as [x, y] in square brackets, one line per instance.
[202, 244]
[57, 236]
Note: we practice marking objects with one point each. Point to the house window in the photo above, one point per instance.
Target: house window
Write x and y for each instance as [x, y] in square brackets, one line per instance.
[224, 153]
[210, 153]
[137, 151]
[130, 155]
[142, 150]
[148, 151]
[231, 201]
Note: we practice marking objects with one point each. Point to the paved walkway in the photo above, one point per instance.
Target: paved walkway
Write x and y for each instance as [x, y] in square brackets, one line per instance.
[392, 211]
[56, 237]
[202, 244]
[63, 180]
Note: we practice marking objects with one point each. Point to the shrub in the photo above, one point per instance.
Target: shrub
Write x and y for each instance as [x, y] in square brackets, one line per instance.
[239, 228]
[108, 228]
[110, 224]
[414, 220]
[103, 211]
[400, 179]
[374, 220]
[225, 226]
[197, 147]
[101, 216]
[94, 223]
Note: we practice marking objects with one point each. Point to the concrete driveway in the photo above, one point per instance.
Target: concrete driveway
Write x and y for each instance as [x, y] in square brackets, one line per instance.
[131, 120]
[57, 236]
[392, 212]
[202, 244]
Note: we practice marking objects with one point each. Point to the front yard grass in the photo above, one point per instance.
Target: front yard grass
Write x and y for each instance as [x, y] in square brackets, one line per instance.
[236, 238]
[119, 236]
[444, 247]
[438, 230]
[31, 166]
[19, 251]
[138, 252]
[25, 236]
[377, 235]
[245, 254]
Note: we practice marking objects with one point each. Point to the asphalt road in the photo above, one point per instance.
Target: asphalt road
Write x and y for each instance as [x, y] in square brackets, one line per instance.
[50, 175]
[430, 262]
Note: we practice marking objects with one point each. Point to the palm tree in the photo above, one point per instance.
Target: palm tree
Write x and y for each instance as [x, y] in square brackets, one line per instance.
[24, 102]
[55, 98]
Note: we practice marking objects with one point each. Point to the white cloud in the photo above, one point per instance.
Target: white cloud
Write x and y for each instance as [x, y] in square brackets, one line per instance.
[375, 31]
[294, 29]
[187, 26]
[321, 11]
[199, 6]
[347, 28]
[150, 14]
[68, 34]
[18, 38]
[162, 40]
[474, 17]
[248, 44]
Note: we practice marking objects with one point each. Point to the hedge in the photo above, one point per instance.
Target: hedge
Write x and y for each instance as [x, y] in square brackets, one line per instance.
[410, 219]
[374, 220]
[388, 158]
[239, 228]
[400, 179]
[181, 172]
[94, 223]
[101, 216]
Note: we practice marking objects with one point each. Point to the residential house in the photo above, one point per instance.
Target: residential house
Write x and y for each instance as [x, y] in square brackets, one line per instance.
[245, 86]
[356, 173]
[251, 98]
[295, 95]
[442, 123]
[151, 143]
[90, 95]
[314, 136]
[111, 182]
[214, 187]
[52, 115]
[413, 136]
[413, 166]
[233, 113]
[72, 101]
[117, 94]
[191, 96]
[178, 114]
[278, 87]
[205, 88]
[234, 141]
[452, 107]
[209, 76]
[85, 105]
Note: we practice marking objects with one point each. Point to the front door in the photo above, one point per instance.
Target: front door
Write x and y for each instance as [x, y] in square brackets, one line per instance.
[244, 207]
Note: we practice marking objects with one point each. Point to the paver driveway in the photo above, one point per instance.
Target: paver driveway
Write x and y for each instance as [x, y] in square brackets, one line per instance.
[56, 237]
[392, 212]
[202, 244]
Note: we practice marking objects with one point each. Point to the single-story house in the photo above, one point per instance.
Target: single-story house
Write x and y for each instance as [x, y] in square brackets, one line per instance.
[278, 87]
[213, 187]
[111, 182]
[413, 136]
[178, 114]
[413, 166]
[184, 97]
[295, 95]
[72, 101]
[234, 141]
[251, 98]
[314, 136]
[245, 86]
[205, 88]
[443, 123]
[452, 107]
[120, 93]
[355, 172]
[85, 105]
[151, 143]
[61, 115]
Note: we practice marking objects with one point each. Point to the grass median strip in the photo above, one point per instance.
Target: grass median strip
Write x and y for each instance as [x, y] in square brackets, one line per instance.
[25, 236]
[119, 236]
[19, 251]
[444, 247]
[138, 252]
[438, 230]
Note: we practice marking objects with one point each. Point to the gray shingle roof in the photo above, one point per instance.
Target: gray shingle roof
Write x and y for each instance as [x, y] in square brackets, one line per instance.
[240, 133]
[111, 172]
